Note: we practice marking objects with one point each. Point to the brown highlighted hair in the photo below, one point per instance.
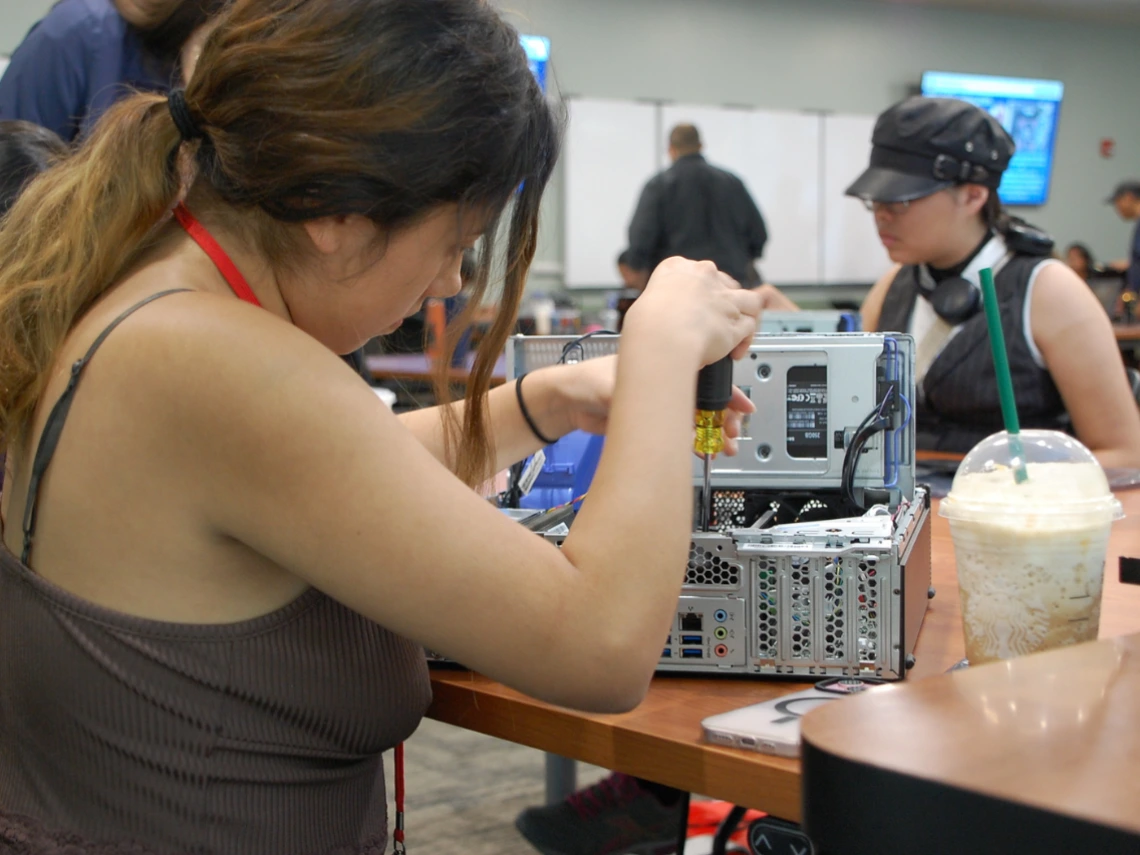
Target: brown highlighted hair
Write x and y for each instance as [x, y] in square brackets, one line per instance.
[308, 108]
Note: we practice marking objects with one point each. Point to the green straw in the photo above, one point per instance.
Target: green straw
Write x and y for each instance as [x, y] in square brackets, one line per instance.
[1004, 380]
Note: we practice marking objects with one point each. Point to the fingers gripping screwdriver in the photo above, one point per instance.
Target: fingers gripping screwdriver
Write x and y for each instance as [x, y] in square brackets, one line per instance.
[714, 391]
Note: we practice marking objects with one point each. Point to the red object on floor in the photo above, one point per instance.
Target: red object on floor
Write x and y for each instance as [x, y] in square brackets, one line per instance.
[705, 818]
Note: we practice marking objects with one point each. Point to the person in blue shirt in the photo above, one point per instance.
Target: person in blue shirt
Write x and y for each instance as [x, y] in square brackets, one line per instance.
[86, 54]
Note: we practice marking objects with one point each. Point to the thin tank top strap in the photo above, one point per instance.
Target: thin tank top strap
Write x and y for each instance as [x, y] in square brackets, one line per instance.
[53, 428]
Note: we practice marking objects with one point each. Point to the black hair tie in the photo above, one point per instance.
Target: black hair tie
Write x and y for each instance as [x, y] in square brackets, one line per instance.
[180, 112]
[526, 414]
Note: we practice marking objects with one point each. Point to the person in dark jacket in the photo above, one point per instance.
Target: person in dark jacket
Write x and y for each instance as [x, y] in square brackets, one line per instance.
[696, 210]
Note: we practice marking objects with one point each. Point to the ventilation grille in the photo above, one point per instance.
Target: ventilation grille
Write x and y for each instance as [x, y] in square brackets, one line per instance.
[831, 612]
[727, 510]
[834, 647]
[710, 570]
[533, 352]
[868, 590]
[767, 609]
[800, 611]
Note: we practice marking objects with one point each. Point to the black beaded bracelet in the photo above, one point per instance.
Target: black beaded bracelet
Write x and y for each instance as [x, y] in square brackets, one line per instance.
[526, 414]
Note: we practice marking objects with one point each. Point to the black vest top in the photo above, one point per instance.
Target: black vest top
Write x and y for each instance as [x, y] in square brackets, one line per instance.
[958, 403]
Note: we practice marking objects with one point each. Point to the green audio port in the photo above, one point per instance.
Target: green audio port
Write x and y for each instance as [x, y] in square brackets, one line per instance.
[721, 633]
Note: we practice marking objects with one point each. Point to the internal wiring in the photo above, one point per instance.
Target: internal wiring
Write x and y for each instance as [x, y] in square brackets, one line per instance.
[897, 433]
[570, 346]
[876, 421]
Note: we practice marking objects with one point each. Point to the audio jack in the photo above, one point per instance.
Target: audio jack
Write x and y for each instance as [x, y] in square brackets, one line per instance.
[714, 391]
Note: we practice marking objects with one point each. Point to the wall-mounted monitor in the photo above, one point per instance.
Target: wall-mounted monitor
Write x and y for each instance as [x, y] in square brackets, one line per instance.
[537, 55]
[1028, 109]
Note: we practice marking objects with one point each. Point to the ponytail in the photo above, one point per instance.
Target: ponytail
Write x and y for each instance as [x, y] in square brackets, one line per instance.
[1019, 235]
[70, 236]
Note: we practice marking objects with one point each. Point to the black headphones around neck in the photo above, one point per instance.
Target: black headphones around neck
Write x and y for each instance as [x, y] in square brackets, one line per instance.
[955, 300]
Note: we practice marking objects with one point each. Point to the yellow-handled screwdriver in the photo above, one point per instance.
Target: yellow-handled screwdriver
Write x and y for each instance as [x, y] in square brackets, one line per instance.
[714, 391]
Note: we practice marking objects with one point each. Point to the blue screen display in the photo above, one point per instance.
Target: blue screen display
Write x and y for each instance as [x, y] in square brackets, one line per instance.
[537, 55]
[1027, 109]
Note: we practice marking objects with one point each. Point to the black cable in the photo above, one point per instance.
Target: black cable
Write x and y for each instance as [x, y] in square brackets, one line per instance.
[577, 343]
[876, 421]
[726, 828]
[851, 455]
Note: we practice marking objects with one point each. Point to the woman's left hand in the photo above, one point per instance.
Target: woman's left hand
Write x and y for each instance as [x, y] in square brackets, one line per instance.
[586, 389]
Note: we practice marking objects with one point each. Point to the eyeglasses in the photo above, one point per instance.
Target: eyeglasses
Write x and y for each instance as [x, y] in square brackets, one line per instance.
[892, 208]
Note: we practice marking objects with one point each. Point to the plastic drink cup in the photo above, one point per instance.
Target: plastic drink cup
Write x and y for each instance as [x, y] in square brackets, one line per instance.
[1030, 556]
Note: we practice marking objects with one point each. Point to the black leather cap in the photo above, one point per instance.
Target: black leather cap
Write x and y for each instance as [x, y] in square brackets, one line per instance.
[922, 145]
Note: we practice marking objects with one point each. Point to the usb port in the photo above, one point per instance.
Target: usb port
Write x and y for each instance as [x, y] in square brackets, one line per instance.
[692, 653]
[692, 639]
[667, 653]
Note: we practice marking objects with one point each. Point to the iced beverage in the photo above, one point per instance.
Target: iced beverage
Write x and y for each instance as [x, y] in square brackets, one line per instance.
[1030, 556]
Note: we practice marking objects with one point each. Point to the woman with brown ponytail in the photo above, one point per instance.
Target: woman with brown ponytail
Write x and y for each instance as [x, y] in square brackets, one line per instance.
[221, 552]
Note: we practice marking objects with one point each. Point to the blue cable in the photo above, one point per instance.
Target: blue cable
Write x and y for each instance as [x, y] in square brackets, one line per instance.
[898, 439]
[892, 447]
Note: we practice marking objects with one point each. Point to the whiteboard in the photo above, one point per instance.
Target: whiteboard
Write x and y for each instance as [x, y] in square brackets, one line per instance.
[776, 155]
[852, 251]
[795, 165]
[611, 151]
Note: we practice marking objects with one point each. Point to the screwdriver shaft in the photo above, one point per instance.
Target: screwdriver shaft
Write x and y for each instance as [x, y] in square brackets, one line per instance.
[706, 497]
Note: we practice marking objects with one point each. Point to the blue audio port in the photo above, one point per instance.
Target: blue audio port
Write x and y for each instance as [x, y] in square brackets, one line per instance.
[720, 615]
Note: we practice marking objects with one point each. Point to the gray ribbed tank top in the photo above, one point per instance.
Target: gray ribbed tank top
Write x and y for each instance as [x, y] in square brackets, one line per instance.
[263, 737]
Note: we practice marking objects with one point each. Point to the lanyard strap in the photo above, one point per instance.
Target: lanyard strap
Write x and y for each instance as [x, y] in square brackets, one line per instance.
[398, 775]
[237, 282]
[223, 262]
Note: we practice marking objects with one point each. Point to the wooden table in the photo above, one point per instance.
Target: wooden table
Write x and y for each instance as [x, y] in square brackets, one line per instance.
[418, 367]
[1126, 332]
[661, 739]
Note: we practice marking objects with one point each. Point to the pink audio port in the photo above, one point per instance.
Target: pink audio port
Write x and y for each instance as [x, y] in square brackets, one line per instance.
[721, 650]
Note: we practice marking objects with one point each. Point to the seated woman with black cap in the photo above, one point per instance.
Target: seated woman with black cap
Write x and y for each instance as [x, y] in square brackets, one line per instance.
[932, 185]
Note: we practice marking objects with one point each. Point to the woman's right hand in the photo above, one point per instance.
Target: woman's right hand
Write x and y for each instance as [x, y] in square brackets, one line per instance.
[692, 301]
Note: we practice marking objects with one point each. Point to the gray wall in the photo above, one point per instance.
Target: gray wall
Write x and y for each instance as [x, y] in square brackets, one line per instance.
[853, 56]
[842, 55]
[16, 18]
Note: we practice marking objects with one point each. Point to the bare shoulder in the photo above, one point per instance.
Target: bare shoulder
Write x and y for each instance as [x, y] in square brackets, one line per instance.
[191, 344]
[202, 384]
[873, 303]
[1060, 301]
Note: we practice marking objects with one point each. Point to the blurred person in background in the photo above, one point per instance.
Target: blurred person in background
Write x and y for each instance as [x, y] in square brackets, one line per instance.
[1080, 259]
[85, 55]
[26, 150]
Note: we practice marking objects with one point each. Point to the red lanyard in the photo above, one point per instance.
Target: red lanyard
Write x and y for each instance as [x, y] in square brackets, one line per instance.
[398, 775]
[223, 262]
[241, 288]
